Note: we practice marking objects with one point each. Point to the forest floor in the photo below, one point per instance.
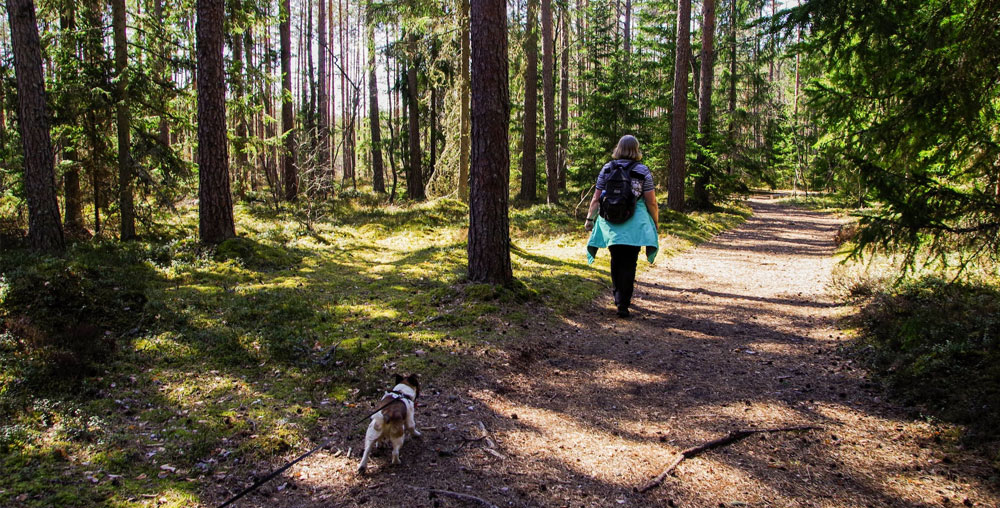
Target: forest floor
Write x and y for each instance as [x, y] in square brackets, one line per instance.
[738, 333]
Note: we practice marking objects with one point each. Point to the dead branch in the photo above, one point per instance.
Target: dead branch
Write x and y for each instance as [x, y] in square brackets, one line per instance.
[457, 495]
[733, 437]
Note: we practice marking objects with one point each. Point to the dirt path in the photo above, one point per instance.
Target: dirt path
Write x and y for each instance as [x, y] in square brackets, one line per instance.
[738, 333]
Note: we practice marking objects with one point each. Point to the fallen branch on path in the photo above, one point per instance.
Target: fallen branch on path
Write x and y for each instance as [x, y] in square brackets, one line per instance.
[457, 495]
[732, 437]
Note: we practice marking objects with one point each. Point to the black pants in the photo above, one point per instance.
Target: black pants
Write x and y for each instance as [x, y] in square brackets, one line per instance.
[623, 259]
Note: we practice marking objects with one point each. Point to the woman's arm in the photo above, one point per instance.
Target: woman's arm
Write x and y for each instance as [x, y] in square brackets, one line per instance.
[595, 204]
[654, 211]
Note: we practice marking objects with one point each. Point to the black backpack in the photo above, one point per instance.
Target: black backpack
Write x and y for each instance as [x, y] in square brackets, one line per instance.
[618, 201]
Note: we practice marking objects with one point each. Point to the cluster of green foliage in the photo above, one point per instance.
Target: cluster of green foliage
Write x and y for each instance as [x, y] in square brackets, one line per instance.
[907, 100]
[936, 344]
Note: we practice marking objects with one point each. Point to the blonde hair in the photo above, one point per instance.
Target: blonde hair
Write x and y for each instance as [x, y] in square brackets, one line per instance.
[627, 148]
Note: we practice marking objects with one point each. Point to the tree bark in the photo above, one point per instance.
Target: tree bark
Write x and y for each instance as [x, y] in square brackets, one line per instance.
[529, 145]
[628, 31]
[414, 178]
[44, 228]
[678, 128]
[549, 93]
[126, 203]
[732, 85]
[239, 144]
[378, 167]
[288, 169]
[73, 213]
[701, 195]
[489, 226]
[215, 203]
[463, 154]
[323, 120]
[564, 102]
[160, 71]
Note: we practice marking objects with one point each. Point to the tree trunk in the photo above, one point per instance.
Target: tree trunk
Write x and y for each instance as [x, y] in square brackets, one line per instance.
[378, 167]
[73, 220]
[549, 96]
[529, 145]
[125, 199]
[463, 154]
[414, 178]
[239, 144]
[678, 126]
[160, 71]
[564, 102]
[489, 226]
[44, 228]
[701, 195]
[288, 169]
[628, 31]
[795, 120]
[215, 203]
[732, 85]
[323, 120]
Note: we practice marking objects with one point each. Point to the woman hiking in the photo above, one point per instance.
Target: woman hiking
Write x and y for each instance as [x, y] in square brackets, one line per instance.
[628, 218]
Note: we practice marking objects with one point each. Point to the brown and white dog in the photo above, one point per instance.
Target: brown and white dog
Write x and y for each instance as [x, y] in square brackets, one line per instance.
[394, 420]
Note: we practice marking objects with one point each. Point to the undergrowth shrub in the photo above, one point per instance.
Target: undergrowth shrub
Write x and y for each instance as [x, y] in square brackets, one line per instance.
[937, 344]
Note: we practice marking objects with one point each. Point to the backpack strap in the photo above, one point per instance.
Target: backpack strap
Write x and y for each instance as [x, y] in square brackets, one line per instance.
[628, 167]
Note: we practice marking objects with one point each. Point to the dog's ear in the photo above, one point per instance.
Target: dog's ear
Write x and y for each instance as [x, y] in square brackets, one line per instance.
[399, 379]
[412, 379]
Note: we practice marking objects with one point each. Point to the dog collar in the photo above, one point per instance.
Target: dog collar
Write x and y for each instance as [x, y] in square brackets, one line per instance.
[400, 395]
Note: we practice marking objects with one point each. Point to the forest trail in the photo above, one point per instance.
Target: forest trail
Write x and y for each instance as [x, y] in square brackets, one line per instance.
[738, 333]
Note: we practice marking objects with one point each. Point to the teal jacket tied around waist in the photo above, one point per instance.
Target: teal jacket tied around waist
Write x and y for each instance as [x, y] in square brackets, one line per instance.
[638, 230]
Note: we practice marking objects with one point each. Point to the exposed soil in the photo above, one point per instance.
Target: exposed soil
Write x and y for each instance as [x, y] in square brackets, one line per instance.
[738, 333]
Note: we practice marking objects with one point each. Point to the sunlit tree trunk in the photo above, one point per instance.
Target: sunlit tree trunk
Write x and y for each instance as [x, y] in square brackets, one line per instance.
[564, 101]
[288, 169]
[378, 169]
[44, 227]
[463, 157]
[215, 203]
[529, 146]
[678, 125]
[549, 96]
[732, 85]
[323, 94]
[701, 196]
[489, 226]
[414, 178]
[160, 71]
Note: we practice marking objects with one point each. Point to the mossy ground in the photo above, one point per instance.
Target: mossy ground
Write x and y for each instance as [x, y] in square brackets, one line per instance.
[212, 359]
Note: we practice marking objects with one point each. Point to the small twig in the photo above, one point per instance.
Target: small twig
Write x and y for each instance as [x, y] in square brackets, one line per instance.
[457, 495]
[494, 453]
[732, 437]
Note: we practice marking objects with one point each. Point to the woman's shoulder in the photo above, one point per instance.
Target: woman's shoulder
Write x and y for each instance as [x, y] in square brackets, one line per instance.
[642, 168]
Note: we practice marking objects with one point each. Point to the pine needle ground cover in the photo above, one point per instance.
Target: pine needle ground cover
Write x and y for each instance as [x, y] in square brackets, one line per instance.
[138, 374]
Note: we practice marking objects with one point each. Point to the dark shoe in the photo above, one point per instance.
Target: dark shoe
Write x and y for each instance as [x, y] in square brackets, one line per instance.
[623, 313]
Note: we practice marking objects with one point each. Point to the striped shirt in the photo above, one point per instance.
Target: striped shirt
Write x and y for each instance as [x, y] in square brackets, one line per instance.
[638, 186]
